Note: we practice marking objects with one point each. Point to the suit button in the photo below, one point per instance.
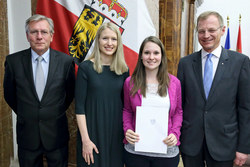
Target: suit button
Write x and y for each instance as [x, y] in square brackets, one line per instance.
[205, 112]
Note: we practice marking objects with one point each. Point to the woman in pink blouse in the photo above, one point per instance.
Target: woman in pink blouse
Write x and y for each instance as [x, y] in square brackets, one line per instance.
[151, 85]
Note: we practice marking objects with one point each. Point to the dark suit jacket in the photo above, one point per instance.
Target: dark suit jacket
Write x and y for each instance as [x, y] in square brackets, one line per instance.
[38, 122]
[224, 118]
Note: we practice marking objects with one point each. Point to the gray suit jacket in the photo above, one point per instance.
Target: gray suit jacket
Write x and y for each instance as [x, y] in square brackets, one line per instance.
[40, 122]
[224, 118]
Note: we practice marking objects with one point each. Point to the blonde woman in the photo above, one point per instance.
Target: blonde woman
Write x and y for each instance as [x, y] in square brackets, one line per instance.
[99, 103]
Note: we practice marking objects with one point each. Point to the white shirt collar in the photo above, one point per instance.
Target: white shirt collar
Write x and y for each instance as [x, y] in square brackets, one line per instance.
[216, 52]
[45, 56]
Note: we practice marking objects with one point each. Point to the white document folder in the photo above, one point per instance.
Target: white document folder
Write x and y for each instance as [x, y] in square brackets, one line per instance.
[152, 128]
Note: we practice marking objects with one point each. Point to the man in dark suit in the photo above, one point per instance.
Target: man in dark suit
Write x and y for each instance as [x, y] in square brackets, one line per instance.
[39, 92]
[216, 100]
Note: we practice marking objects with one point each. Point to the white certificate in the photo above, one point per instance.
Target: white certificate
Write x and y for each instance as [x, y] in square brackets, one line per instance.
[152, 128]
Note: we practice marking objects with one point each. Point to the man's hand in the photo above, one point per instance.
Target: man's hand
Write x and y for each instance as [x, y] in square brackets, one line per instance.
[240, 158]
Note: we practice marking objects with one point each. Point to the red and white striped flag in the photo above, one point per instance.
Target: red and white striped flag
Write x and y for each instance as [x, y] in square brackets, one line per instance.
[76, 23]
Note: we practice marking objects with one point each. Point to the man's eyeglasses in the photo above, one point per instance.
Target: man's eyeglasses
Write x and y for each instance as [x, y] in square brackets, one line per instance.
[36, 32]
[210, 31]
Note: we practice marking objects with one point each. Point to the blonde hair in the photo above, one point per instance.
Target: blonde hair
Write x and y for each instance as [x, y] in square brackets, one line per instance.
[118, 64]
[205, 15]
[138, 78]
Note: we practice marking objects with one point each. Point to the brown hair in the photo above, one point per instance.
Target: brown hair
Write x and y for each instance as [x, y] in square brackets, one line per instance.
[138, 78]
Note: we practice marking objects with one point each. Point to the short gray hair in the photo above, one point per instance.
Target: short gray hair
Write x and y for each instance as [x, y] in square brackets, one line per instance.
[38, 17]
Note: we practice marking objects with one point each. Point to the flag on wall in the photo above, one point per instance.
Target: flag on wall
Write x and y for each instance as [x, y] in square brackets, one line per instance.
[227, 43]
[239, 46]
[76, 23]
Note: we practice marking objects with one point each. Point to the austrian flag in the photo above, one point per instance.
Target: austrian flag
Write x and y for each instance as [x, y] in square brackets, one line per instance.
[77, 21]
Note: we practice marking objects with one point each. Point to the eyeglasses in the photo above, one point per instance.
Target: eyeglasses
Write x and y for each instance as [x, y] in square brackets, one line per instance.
[36, 32]
[210, 31]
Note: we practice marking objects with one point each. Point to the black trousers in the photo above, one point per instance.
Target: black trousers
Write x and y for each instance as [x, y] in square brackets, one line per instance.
[55, 158]
[134, 160]
[204, 158]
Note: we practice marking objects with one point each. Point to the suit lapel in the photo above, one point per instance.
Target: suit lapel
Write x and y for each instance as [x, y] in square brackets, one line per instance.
[198, 72]
[53, 62]
[223, 63]
[27, 65]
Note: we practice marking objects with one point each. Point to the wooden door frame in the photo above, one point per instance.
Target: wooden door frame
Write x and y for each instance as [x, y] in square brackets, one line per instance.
[170, 15]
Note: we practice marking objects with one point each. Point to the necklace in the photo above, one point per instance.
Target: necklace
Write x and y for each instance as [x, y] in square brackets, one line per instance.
[152, 88]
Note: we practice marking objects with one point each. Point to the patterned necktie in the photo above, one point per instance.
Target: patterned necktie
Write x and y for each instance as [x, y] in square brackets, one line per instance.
[39, 81]
[208, 74]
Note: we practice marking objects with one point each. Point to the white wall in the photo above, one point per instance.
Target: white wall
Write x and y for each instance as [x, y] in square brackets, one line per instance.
[184, 23]
[153, 9]
[232, 9]
[18, 12]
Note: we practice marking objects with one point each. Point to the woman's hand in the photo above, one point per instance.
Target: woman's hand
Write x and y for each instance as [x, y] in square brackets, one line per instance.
[171, 140]
[87, 151]
[131, 136]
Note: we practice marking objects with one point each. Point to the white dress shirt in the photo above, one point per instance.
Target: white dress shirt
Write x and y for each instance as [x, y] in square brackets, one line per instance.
[45, 63]
[215, 59]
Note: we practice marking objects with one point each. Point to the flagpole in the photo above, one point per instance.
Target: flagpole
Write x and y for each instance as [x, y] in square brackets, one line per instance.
[227, 42]
[240, 19]
[239, 45]
[227, 21]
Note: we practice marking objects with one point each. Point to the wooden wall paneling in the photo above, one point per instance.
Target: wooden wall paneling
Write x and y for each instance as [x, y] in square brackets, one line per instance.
[73, 134]
[33, 6]
[6, 130]
[170, 31]
[191, 26]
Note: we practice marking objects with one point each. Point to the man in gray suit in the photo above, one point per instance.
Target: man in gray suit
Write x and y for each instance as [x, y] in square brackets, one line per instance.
[216, 100]
[39, 87]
